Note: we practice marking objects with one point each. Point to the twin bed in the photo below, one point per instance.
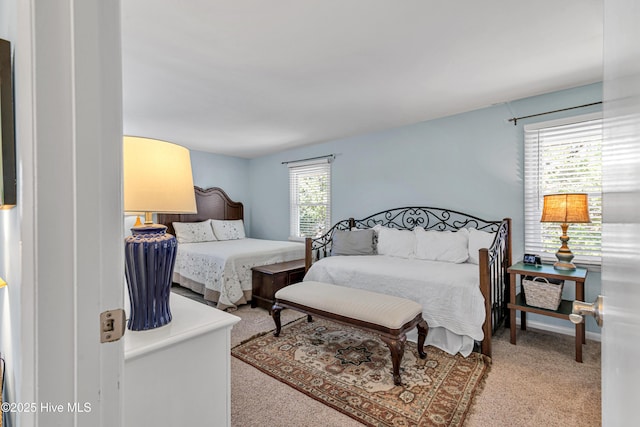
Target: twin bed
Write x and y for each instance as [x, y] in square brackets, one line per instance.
[453, 264]
[463, 300]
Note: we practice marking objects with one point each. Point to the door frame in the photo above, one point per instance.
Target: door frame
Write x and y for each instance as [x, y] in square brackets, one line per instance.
[621, 204]
[69, 136]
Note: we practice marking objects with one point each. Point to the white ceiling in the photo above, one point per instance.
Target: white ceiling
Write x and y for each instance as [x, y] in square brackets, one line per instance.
[251, 77]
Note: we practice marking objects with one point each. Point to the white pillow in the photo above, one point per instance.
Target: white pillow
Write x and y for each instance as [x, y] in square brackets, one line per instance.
[447, 246]
[398, 243]
[478, 240]
[194, 232]
[228, 229]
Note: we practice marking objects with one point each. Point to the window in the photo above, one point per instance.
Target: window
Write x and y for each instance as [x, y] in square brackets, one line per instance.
[310, 198]
[563, 156]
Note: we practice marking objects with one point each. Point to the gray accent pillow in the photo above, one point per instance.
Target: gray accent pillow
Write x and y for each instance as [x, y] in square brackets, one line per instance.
[360, 242]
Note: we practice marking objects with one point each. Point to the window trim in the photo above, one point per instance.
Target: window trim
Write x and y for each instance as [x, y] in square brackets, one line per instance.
[592, 262]
[294, 211]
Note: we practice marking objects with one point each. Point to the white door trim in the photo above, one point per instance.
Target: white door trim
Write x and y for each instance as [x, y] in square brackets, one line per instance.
[69, 116]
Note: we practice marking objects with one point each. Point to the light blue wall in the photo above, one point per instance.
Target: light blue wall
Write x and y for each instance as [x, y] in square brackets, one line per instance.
[458, 162]
[229, 173]
[471, 162]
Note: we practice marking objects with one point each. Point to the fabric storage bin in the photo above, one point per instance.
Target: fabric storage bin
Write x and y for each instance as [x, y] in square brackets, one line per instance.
[539, 292]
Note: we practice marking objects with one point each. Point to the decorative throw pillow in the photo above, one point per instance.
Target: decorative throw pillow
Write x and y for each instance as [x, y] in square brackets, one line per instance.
[359, 242]
[478, 240]
[447, 246]
[393, 242]
[194, 232]
[228, 229]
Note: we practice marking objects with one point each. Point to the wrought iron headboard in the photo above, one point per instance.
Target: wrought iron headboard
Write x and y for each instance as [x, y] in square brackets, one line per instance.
[493, 261]
[406, 218]
[428, 218]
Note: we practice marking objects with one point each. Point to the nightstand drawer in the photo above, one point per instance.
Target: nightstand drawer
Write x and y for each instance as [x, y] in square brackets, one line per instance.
[296, 276]
[269, 279]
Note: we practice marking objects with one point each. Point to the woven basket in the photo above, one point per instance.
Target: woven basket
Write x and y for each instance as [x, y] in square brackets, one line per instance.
[538, 292]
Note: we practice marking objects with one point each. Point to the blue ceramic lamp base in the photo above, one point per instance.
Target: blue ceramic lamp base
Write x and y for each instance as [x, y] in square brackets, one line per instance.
[150, 255]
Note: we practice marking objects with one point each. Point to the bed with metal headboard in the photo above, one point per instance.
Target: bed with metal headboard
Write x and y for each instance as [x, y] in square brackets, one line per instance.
[489, 247]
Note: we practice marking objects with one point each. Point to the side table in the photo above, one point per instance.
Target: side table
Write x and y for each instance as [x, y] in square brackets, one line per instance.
[269, 279]
[517, 302]
[180, 374]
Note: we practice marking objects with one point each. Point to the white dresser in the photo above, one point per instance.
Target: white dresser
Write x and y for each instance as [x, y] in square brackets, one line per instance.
[179, 374]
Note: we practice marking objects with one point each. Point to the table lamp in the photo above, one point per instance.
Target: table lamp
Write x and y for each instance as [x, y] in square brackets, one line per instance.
[565, 209]
[157, 178]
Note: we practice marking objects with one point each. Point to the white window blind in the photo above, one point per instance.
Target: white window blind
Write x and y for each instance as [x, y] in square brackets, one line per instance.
[310, 198]
[563, 156]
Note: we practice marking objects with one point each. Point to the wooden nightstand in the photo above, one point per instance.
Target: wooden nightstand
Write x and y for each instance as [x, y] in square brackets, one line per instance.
[517, 302]
[269, 279]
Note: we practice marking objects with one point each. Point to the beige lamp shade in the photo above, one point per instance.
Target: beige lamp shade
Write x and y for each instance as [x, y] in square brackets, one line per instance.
[157, 177]
[568, 208]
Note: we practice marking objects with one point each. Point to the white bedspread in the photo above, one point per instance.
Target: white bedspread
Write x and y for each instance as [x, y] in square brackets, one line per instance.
[453, 305]
[225, 266]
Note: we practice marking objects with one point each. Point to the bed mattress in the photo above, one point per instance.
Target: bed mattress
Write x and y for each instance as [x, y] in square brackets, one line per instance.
[221, 270]
[449, 293]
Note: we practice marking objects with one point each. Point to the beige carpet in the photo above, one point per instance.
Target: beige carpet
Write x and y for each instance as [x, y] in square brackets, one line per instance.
[535, 383]
[350, 370]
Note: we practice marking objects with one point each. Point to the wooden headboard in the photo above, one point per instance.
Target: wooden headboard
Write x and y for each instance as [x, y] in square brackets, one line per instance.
[211, 203]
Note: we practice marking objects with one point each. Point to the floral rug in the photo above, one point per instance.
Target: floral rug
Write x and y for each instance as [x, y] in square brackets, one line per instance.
[350, 370]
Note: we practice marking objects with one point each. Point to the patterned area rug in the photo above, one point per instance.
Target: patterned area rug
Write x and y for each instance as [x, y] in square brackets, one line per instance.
[350, 370]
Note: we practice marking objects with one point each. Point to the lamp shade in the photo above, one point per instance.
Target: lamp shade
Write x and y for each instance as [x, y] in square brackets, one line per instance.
[568, 208]
[157, 177]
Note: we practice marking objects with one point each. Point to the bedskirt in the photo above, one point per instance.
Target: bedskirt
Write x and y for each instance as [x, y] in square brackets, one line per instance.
[211, 296]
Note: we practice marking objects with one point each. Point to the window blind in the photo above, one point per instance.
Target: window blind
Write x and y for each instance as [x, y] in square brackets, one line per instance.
[563, 156]
[310, 198]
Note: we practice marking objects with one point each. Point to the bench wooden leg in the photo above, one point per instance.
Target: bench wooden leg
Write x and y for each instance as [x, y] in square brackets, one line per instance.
[422, 335]
[396, 346]
[395, 339]
[275, 313]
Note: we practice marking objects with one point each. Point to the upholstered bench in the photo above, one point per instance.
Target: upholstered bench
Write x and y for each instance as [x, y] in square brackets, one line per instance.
[388, 316]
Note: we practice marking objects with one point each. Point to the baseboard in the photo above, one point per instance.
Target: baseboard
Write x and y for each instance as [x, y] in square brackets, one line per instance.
[594, 336]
